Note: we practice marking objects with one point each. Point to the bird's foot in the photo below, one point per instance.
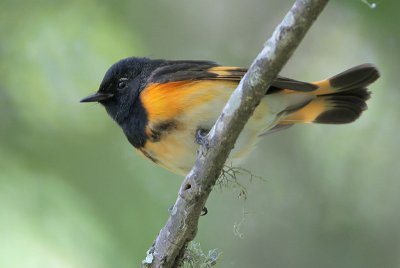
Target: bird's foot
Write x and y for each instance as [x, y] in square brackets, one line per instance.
[204, 211]
[201, 137]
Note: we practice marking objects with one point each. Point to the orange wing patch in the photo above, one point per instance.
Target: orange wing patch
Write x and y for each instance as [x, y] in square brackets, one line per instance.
[228, 73]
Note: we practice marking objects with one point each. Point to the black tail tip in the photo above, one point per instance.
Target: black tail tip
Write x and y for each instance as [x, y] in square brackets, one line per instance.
[338, 116]
[356, 77]
[345, 107]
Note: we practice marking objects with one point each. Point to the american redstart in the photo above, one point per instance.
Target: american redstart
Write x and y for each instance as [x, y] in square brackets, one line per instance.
[163, 105]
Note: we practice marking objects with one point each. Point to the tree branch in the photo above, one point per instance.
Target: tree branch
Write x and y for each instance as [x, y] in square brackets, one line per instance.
[181, 226]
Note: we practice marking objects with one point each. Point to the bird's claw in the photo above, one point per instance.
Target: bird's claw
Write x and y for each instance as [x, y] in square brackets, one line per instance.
[204, 211]
[201, 137]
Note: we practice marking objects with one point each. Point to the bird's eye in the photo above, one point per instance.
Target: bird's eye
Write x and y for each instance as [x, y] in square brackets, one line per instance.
[122, 84]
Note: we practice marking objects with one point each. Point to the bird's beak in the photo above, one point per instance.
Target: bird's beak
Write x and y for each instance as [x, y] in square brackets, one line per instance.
[98, 96]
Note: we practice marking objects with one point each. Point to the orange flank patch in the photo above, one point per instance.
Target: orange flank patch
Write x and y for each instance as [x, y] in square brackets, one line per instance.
[308, 113]
[168, 100]
[188, 104]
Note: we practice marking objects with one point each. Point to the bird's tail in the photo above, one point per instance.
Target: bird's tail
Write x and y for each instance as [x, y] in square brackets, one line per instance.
[340, 99]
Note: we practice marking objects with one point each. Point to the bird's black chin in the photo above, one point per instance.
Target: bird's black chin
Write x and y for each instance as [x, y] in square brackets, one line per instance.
[118, 108]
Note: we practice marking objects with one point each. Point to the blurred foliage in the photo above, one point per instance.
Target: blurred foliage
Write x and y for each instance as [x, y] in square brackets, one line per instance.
[73, 193]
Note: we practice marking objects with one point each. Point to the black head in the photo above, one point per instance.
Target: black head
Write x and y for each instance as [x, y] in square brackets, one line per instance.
[120, 86]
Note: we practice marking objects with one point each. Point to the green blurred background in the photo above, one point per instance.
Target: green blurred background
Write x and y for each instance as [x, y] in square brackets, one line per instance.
[73, 193]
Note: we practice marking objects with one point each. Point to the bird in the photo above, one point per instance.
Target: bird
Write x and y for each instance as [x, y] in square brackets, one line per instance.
[165, 107]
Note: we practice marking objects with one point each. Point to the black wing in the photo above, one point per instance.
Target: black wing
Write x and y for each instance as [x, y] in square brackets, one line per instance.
[173, 71]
